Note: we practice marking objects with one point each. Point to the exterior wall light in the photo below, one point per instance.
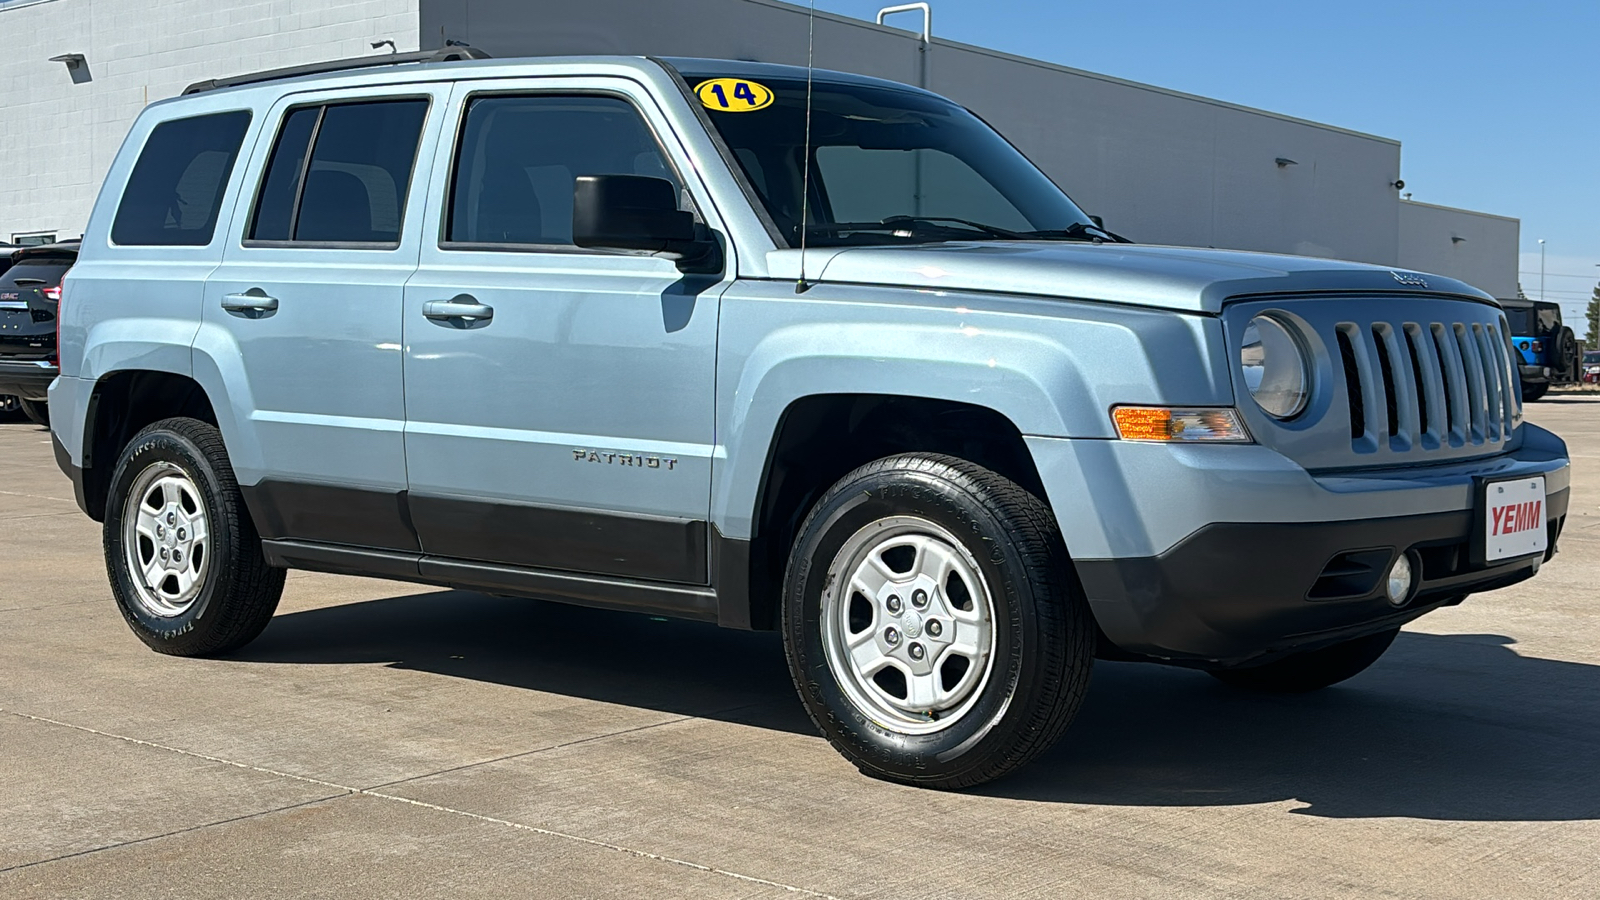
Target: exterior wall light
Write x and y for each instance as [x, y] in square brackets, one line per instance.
[77, 66]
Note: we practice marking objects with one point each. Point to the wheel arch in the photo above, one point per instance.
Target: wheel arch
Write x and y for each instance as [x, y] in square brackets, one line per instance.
[805, 455]
[121, 404]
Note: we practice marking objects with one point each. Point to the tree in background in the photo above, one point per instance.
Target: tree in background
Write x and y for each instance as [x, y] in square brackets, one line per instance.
[1593, 314]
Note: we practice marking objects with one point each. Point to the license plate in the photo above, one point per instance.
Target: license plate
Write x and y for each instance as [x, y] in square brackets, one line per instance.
[1514, 517]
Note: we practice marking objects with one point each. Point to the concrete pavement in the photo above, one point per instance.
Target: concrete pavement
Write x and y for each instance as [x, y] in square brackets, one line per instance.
[386, 740]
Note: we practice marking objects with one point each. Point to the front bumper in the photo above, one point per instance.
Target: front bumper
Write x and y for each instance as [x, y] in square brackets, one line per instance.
[28, 379]
[1212, 555]
[1234, 592]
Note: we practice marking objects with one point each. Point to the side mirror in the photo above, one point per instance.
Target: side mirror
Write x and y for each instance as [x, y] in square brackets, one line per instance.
[1098, 222]
[634, 212]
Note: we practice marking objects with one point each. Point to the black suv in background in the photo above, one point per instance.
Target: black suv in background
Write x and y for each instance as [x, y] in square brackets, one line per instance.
[30, 295]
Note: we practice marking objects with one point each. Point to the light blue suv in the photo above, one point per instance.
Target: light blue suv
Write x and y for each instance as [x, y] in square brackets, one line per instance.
[715, 340]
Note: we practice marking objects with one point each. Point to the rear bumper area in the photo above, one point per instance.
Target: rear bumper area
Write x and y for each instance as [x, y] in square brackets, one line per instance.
[1234, 592]
[28, 379]
[1534, 374]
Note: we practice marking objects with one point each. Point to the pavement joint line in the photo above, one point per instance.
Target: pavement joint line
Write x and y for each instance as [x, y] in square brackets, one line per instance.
[368, 792]
[485, 762]
[41, 515]
[156, 837]
[561, 746]
[37, 497]
[6, 609]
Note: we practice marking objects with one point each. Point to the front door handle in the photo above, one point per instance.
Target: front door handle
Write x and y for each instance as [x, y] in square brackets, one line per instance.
[254, 300]
[461, 308]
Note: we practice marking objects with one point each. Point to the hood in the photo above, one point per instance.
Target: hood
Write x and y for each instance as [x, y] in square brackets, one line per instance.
[1178, 278]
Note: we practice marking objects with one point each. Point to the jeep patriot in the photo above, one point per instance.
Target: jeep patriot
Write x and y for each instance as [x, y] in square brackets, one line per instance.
[740, 343]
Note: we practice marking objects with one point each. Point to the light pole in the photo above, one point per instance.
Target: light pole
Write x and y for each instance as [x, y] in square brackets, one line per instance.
[1541, 270]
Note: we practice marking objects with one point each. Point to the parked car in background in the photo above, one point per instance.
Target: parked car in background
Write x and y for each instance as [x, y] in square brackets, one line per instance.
[1591, 367]
[1549, 349]
[30, 296]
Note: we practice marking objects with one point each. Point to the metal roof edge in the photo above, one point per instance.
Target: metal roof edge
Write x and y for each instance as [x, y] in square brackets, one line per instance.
[1458, 209]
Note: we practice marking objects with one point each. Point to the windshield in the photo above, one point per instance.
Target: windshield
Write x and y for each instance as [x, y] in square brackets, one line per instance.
[888, 165]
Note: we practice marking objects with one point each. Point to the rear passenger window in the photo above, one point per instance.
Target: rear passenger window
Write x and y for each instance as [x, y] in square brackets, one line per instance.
[175, 191]
[352, 188]
[519, 157]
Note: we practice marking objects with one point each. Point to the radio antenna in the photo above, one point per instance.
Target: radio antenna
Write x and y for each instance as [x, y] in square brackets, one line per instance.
[802, 285]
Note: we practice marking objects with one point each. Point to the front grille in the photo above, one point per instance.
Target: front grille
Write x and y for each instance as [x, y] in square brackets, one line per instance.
[1428, 386]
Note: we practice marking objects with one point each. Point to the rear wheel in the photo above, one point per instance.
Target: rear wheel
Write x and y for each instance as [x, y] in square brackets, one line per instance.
[182, 554]
[37, 411]
[1532, 392]
[933, 624]
[1312, 670]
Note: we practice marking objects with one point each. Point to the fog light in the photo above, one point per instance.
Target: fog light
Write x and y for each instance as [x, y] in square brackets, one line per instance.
[1398, 584]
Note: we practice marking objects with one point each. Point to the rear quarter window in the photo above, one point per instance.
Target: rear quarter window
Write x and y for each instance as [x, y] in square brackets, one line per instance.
[175, 192]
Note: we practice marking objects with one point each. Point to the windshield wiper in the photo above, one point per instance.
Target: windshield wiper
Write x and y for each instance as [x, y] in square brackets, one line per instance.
[949, 225]
[1079, 231]
[912, 224]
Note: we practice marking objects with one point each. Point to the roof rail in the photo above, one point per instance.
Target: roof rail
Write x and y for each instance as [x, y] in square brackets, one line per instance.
[451, 53]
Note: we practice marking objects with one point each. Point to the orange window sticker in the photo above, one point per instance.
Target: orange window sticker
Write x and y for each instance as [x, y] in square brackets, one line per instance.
[733, 95]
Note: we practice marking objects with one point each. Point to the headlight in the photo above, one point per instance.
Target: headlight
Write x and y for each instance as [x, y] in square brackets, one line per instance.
[1275, 367]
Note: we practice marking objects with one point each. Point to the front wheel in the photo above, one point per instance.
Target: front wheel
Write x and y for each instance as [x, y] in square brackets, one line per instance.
[182, 554]
[933, 624]
[1312, 670]
[37, 411]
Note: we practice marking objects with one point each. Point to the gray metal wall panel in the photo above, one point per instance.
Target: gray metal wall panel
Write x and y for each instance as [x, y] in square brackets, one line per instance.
[1484, 257]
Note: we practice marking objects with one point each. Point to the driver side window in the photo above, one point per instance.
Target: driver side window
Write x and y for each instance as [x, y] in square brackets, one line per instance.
[519, 157]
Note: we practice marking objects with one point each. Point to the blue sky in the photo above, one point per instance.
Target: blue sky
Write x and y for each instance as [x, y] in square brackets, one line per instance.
[1497, 105]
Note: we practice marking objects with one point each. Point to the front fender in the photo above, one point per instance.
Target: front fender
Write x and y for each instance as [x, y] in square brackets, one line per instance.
[1053, 368]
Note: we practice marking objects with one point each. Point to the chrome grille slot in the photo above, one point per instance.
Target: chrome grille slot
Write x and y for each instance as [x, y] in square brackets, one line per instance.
[1455, 382]
[1352, 382]
[1477, 403]
[1391, 403]
[1432, 411]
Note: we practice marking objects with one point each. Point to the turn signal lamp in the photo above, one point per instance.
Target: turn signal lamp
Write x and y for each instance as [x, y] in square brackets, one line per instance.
[1179, 425]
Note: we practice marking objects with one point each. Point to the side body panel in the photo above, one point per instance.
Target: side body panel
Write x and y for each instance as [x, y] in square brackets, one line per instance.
[137, 308]
[573, 429]
[1052, 367]
[314, 387]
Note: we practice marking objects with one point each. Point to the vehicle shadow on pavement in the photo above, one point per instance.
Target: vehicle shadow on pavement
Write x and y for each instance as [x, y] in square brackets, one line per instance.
[689, 668]
[1456, 727]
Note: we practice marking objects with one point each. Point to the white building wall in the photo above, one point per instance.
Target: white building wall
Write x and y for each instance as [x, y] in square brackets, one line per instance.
[60, 137]
[1478, 248]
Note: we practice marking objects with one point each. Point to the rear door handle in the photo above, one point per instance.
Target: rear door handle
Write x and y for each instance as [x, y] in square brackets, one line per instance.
[459, 308]
[253, 300]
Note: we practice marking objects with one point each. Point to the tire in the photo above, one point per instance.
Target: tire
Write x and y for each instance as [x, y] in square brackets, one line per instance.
[37, 411]
[1568, 356]
[1312, 670]
[221, 593]
[990, 550]
[1532, 392]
